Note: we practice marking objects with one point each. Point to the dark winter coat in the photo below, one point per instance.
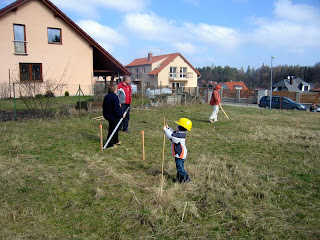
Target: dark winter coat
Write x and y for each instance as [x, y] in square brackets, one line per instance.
[111, 107]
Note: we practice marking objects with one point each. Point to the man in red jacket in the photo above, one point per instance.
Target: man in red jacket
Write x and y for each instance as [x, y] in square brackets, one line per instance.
[215, 103]
[125, 98]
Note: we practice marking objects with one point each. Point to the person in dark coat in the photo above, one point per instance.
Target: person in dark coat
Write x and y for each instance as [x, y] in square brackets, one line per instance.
[112, 113]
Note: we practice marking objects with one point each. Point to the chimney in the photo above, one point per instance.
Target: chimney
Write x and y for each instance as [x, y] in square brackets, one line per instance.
[291, 80]
[149, 56]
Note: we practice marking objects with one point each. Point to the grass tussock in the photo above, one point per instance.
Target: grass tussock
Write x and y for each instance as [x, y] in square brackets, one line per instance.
[255, 176]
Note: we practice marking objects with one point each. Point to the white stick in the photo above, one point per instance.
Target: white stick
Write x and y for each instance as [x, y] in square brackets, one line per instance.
[115, 129]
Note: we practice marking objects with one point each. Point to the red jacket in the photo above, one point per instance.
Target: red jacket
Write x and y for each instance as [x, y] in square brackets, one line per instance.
[127, 92]
[215, 98]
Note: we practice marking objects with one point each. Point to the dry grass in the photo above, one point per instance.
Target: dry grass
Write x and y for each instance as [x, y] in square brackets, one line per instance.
[253, 177]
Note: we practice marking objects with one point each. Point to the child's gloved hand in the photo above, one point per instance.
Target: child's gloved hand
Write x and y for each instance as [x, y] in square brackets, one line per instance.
[165, 127]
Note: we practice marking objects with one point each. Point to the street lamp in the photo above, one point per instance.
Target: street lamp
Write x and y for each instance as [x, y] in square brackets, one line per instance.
[272, 57]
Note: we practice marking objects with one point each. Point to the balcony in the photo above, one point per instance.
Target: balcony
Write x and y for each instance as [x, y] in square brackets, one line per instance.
[20, 47]
[180, 76]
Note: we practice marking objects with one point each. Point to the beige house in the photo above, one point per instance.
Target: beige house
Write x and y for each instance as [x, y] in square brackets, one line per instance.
[171, 70]
[39, 43]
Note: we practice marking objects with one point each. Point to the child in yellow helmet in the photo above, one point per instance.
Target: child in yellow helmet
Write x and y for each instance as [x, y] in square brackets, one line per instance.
[178, 146]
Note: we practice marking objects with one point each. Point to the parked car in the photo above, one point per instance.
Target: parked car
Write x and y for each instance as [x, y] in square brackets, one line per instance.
[281, 103]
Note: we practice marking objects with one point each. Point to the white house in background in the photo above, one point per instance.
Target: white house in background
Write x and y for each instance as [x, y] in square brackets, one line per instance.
[38, 42]
[171, 70]
[292, 84]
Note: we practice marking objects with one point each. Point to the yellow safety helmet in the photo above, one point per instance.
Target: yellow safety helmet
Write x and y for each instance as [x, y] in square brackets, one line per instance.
[185, 122]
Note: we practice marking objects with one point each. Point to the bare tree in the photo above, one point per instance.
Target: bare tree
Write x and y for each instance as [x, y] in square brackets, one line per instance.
[39, 95]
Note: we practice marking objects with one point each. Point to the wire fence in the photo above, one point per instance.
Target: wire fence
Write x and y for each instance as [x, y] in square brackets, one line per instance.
[19, 98]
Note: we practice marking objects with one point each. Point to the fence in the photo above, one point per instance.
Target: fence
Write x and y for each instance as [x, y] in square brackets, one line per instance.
[300, 97]
[146, 96]
[20, 100]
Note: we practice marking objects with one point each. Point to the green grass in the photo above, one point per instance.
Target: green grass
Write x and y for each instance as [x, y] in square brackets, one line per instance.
[255, 176]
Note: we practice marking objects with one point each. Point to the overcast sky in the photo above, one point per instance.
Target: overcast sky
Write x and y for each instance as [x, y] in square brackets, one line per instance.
[229, 32]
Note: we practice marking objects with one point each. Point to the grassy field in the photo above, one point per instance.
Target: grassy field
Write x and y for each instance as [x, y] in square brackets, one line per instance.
[255, 176]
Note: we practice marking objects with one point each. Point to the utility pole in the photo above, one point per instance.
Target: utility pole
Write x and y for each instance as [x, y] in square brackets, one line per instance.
[272, 57]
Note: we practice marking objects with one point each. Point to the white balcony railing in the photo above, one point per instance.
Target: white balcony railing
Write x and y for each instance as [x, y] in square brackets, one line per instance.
[180, 75]
[20, 47]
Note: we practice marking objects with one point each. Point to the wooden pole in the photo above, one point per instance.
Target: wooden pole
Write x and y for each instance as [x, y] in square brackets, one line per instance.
[184, 210]
[162, 168]
[95, 118]
[224, 112]
[101, 138]
[143, 155]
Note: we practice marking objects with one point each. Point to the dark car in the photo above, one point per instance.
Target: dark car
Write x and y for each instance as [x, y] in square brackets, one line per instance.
[281, 103]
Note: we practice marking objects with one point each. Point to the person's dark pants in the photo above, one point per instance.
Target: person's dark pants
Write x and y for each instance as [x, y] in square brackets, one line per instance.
[115, 138]
[125, 123]
[182, 175]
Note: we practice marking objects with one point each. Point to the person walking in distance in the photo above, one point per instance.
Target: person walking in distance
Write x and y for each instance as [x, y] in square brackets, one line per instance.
[125, 98]
[112, 113]
[215, 103]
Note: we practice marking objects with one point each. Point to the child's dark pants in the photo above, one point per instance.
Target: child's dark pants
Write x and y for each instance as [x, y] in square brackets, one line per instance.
[182, 175]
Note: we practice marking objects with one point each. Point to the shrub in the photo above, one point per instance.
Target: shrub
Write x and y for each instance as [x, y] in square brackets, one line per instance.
[49, 94]
[66, 93]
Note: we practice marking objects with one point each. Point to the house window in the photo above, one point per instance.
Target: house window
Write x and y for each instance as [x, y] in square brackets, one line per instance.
[144, 70]
[20, 46]
[177, 85]
[183, 72]
[305, 88]
[30, 71]
[137, 73]
[54, 35]
[173, 72]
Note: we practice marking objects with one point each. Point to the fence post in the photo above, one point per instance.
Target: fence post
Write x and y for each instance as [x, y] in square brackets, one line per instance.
[221, 93]
[238, 95]
[14, 102]
[185, 98]
[9, 83]
[256, 96]
[79, 99]
[298, 97]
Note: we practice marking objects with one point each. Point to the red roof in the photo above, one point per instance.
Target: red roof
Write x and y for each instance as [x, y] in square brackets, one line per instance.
[167, 59]
[233, 85]
[58, 13]
[315, 90]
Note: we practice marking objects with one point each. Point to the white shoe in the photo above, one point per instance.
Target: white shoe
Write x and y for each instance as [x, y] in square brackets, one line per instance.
[211, 120]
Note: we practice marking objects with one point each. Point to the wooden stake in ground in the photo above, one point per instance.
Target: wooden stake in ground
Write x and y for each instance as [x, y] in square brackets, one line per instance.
[184, 210]
[143, 155]
[97, 118]
[162, 168]
[224, 112]
[101, 138]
